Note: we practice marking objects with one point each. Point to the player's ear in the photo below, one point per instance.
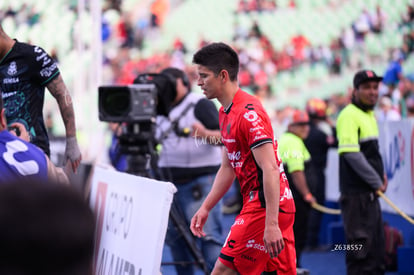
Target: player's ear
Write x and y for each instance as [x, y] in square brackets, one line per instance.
[224, 75]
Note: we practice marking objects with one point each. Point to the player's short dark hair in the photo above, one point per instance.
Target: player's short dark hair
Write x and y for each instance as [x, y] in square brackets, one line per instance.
[217, 57]
[46, 228]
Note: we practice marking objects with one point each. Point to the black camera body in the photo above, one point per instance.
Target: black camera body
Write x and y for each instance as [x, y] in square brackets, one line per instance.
[149, 96]
[132, 103]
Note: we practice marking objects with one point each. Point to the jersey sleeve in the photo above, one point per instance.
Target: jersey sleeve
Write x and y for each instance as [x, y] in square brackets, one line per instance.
[347, 133]
[257, 127]
[44, 66]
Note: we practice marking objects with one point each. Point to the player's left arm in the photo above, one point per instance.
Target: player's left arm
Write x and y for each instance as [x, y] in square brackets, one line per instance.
[264, 156]
[60, 92]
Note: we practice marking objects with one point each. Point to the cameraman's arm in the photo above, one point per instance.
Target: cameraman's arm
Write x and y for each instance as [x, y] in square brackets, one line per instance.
[208, 128]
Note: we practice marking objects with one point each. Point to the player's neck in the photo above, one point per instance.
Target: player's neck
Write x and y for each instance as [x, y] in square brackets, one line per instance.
[227, 97]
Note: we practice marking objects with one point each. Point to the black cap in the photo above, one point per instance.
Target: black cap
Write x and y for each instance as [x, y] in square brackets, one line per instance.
[365, 76]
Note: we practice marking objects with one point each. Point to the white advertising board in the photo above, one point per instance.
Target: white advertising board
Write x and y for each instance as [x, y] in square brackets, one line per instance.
[132, 216]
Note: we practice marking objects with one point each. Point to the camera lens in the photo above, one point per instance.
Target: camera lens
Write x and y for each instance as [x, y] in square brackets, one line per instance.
[116, 102]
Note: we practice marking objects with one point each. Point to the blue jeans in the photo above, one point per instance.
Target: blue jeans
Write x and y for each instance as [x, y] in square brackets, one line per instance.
[188, 199]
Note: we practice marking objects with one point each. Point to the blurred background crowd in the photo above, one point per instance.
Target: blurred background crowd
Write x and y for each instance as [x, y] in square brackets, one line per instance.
[290, 50]
[294, 54]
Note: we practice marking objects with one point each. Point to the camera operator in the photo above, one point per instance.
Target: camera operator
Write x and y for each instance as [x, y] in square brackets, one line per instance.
[190, 158]
[117, 158]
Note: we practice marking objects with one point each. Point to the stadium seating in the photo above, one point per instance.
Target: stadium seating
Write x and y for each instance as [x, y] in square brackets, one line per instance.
[214, 20]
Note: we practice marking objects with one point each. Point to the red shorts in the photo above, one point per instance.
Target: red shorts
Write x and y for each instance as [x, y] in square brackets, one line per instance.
[244, 249]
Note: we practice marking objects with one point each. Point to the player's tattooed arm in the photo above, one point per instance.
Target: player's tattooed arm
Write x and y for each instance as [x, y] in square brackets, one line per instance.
[60, 92]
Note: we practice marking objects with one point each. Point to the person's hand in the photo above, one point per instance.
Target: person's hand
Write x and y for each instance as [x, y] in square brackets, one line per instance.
[72, 153]
[309, 198]
[116, 128]
[273, 240]
[21, 129]
[198, 221]
[384, 186]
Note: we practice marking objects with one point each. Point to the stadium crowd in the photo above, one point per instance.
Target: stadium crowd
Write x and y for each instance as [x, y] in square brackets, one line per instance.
[125, 37]
[261, 61]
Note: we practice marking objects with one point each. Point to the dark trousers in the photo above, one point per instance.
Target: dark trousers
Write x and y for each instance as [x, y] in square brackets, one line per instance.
[317, 188]
[364, 230]
[300, 227]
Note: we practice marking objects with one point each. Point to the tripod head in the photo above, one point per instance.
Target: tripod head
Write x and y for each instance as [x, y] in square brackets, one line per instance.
[138, 144]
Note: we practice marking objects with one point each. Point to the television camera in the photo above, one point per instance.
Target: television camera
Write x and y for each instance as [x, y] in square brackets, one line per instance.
[136, 107]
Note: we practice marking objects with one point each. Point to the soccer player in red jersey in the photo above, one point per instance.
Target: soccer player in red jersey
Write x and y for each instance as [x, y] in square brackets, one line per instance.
[261, 238]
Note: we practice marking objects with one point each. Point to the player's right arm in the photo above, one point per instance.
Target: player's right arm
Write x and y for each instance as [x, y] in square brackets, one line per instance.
[222, 183]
